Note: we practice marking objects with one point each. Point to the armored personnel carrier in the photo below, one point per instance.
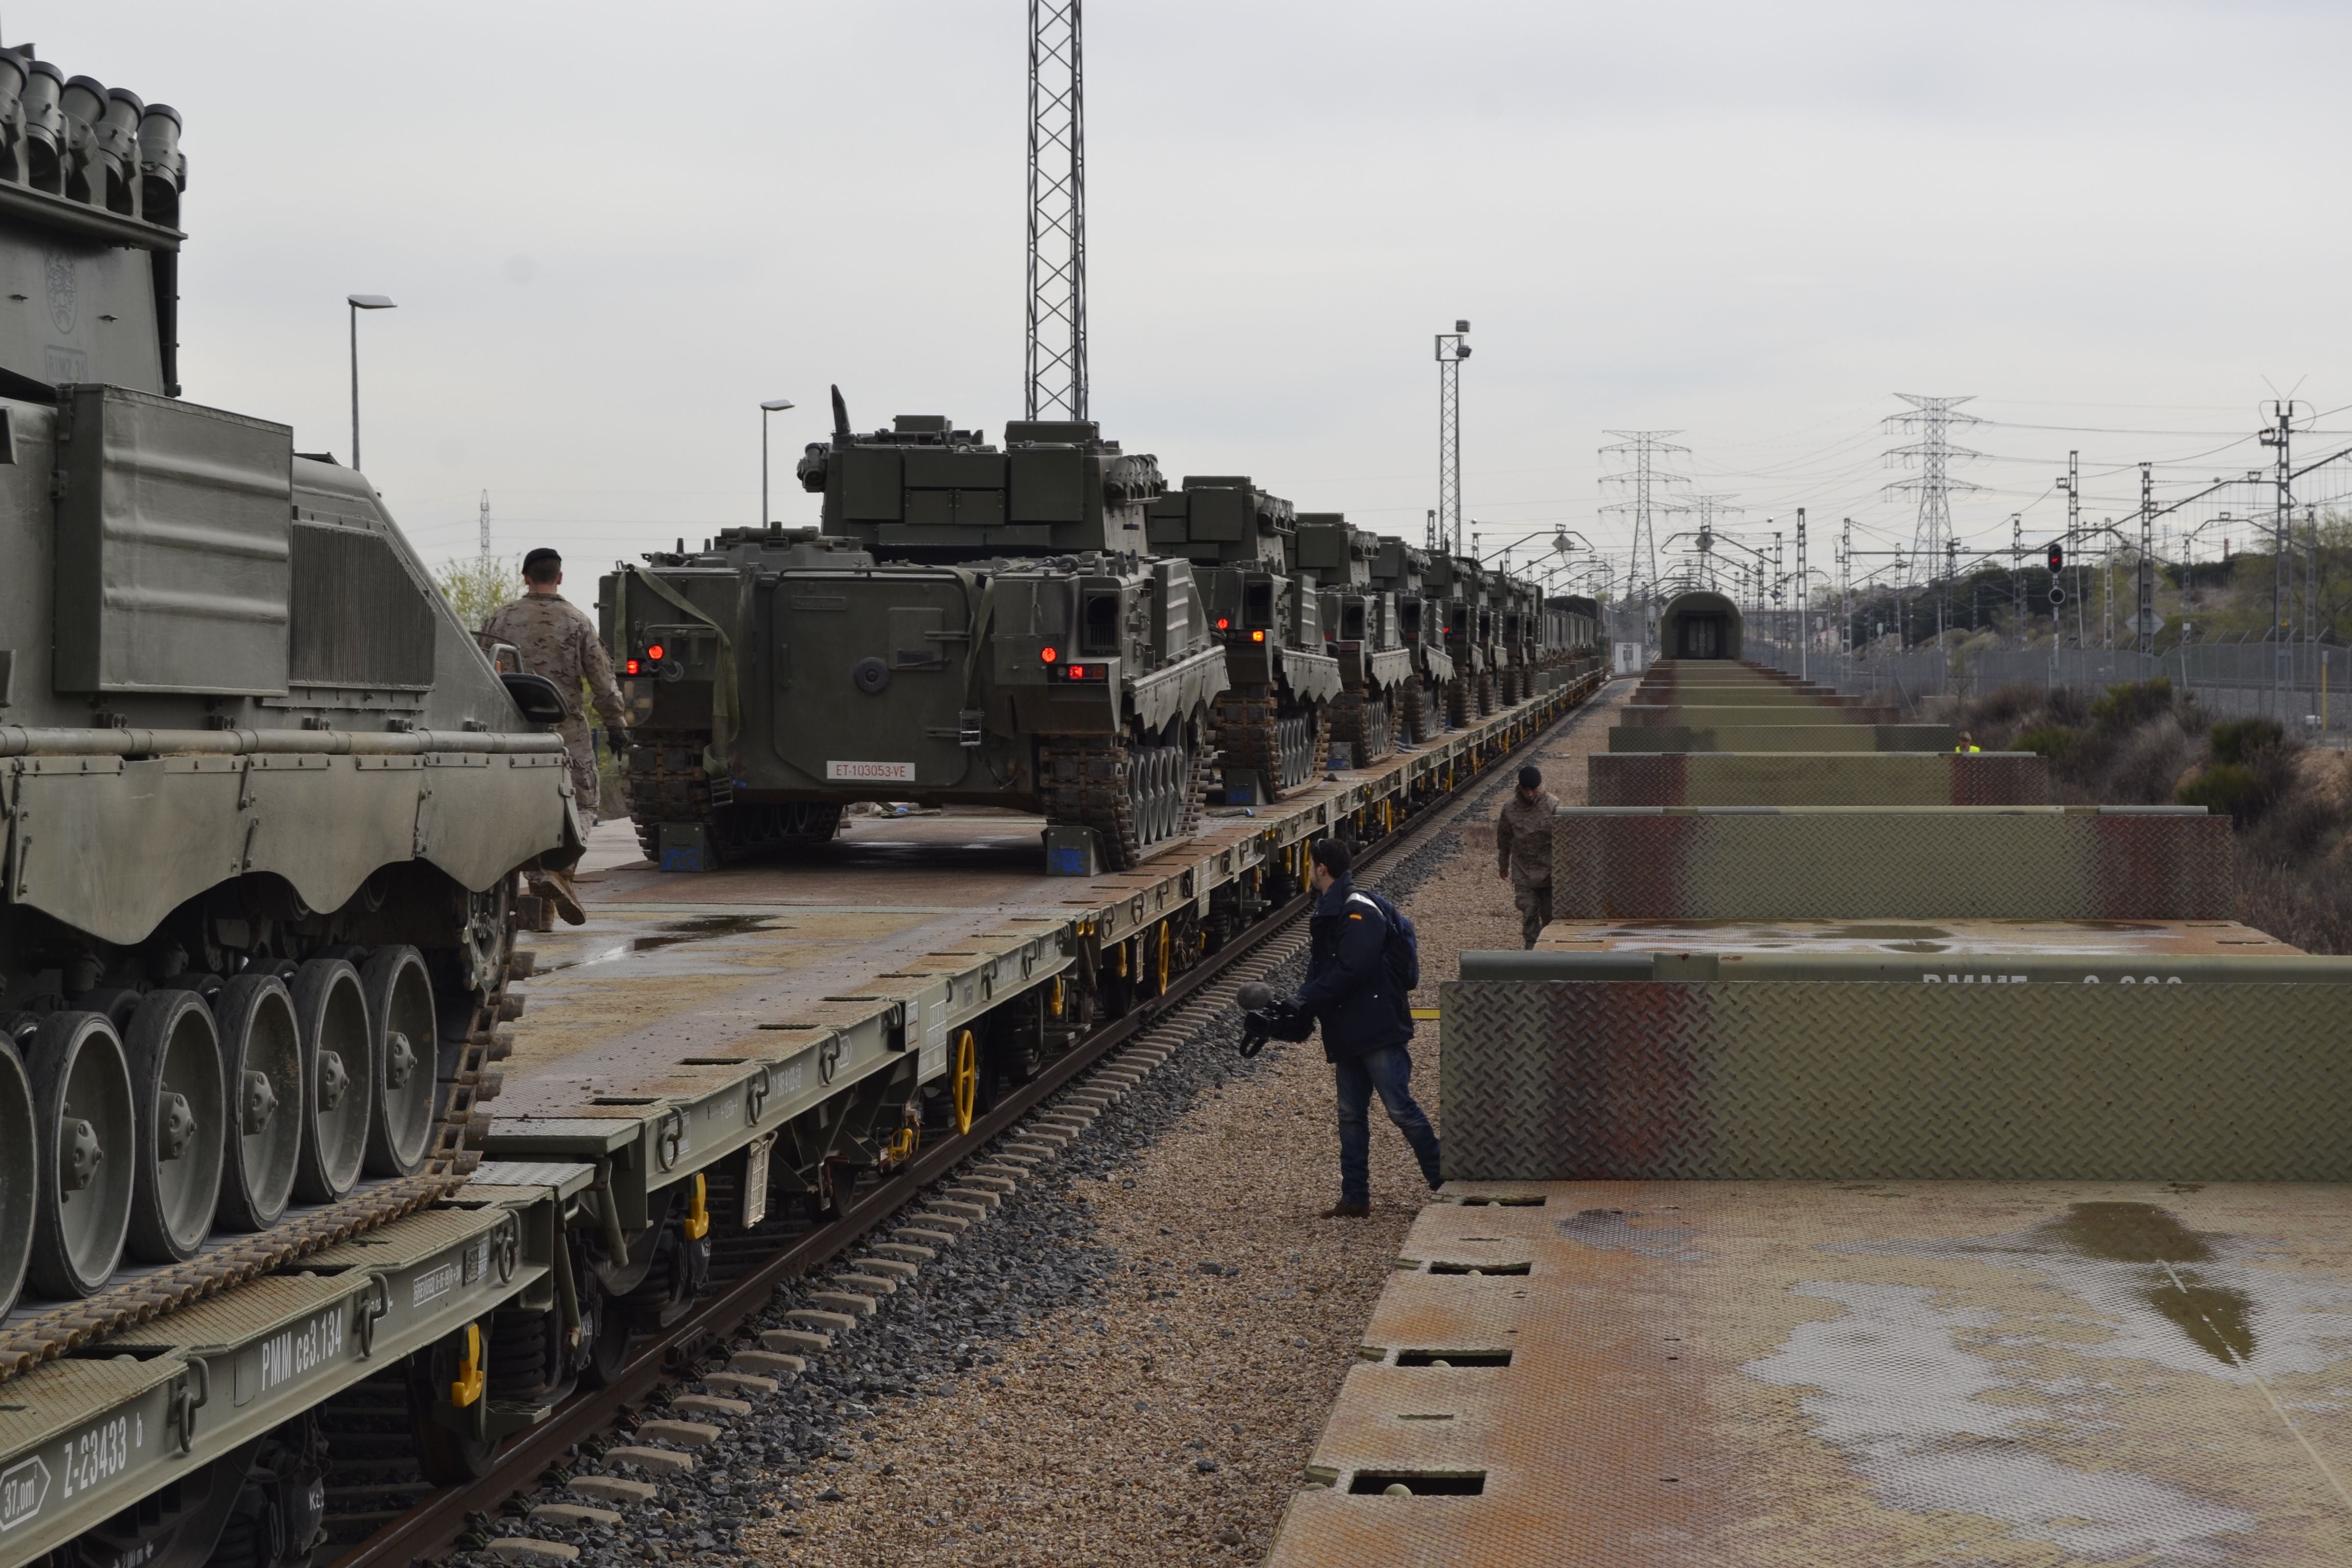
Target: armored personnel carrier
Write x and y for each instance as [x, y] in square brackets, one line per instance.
[1361, 628]
[972, 627]
[1273, 720]
[268, 808]
[1575, 622]
[1459, 590]
[1400, 569]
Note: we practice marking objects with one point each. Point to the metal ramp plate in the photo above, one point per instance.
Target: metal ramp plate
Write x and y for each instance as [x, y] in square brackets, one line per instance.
[1865, 1374]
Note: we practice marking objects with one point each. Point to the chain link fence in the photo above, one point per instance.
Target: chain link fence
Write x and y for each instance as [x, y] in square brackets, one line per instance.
[2309, 688]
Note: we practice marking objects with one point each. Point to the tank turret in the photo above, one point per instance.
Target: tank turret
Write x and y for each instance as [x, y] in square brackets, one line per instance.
[90, 179]
[924, 491]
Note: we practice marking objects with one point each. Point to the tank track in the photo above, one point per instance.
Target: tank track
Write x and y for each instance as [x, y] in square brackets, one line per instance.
[1416, 714]
[1249, 723]
[1460, 701]
[665, 781]
[1366, 724]
[1089, 782]
[71, 1324]
[469, 1081]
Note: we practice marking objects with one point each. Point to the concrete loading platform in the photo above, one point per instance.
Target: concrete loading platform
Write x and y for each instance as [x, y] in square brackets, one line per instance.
[1612, 1373]
[1871, 1187]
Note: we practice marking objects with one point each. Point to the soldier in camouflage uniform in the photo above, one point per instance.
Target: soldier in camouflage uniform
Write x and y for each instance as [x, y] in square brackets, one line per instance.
[1523, 852]
[558, 640]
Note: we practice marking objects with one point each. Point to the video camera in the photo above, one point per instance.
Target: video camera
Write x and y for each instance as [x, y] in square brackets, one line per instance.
[1266, 1017]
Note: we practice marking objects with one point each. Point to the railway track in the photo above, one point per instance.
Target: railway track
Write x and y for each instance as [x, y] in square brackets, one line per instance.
[1116, 1053]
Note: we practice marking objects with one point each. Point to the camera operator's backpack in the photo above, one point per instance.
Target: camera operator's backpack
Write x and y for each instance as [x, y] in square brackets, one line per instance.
[1404, 950]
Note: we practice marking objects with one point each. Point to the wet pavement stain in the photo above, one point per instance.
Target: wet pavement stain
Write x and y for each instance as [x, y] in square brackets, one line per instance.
[701, 927]
[2218, 1320]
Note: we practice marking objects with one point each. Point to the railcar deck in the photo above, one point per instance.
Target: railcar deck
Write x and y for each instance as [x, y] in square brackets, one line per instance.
[692, 1012]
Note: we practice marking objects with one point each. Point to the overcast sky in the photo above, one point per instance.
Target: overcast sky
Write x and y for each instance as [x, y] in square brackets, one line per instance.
[612, 231]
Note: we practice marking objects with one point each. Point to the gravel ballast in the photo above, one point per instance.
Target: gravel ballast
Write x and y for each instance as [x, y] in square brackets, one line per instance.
[1127, 1360]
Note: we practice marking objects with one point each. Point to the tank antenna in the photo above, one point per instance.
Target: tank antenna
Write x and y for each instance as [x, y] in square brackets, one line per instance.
[840, 416]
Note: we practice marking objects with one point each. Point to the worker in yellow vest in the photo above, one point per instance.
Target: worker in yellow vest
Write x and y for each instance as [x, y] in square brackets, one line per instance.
[1967, 744]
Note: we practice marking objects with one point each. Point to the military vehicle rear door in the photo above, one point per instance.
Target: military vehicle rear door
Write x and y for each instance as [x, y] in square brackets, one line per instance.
[871, 678]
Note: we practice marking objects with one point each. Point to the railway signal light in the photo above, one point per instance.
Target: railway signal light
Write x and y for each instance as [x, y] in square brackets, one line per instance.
[2057, 559]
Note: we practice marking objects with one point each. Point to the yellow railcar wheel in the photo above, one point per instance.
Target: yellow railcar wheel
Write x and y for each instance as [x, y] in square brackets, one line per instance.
[963, 1083]
[1167, 946]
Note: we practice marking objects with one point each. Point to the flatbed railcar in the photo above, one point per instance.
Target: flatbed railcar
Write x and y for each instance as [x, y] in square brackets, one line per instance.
[817, 1021]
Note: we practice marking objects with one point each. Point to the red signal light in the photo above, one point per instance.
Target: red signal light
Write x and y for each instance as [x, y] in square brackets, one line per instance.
[1048, 655]
[1223, 623]
[1077, 672]
[655, 651]
[630, 668]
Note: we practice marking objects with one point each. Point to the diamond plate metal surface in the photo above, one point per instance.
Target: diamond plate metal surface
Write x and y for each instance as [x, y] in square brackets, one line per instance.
[2048, 864]
[1799, 1375]
[1789, 1081]
[1818, 778]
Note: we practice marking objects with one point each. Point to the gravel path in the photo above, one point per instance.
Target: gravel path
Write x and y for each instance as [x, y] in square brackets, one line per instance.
[1128, 1363]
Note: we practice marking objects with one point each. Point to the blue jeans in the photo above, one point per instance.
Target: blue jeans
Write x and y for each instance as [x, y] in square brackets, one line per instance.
[1388, 1071]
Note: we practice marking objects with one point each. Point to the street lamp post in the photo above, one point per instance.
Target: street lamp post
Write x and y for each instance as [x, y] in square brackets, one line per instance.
[773, 405]
[359, 302]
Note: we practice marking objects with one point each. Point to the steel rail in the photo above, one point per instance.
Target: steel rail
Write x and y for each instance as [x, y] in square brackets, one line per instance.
[433, 1525]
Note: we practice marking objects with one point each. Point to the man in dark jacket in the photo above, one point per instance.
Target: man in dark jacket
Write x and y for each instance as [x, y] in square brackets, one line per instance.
[1367, 1017]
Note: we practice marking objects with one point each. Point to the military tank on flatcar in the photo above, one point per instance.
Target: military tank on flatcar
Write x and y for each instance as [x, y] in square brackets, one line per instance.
[1577, 633]
[267, 807]
[972, 627]
[1500, 623]
[1273, 720]
[1361, 628]
[1401, 570]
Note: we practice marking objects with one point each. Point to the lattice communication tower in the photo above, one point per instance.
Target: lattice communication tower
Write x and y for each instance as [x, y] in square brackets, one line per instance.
[1056, 381]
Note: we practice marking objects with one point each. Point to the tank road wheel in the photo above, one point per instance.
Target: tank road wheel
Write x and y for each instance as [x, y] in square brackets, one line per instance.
[963, 1082]
[339, 1068]
[1458, 701]
[176, 1092]
[1366, 722]
[85, 1129]
[1137, 794]
[261, 1072]
[1306, 744]
[19, 1183]
[401, 1029]
[1413, 712]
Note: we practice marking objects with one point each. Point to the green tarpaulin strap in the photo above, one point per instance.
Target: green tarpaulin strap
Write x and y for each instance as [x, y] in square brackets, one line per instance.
[716, 756]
